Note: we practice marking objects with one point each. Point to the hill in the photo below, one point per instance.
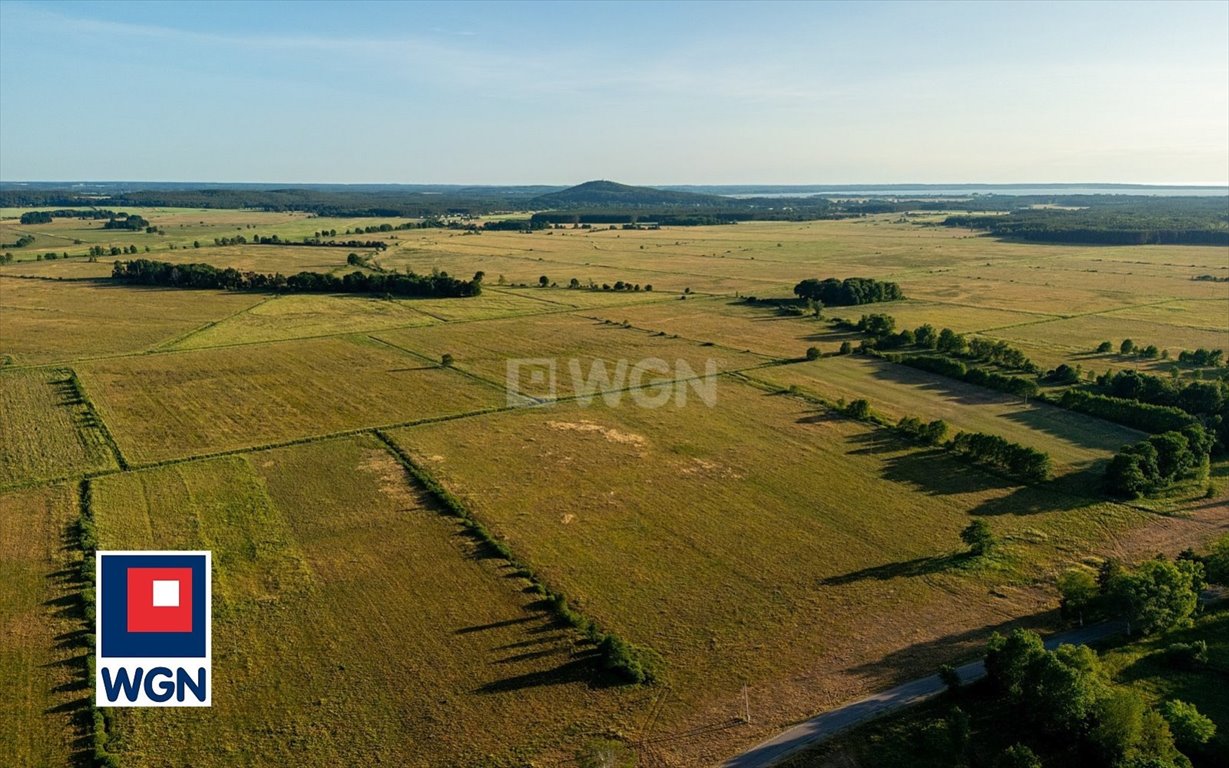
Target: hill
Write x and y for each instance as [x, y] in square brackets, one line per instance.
[607, 193]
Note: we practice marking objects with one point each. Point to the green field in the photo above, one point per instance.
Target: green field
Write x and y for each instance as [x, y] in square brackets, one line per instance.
[323, 553]
[575, 344]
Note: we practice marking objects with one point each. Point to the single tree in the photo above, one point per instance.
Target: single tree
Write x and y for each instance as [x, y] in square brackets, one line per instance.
[1191, 728]
[1078, 588]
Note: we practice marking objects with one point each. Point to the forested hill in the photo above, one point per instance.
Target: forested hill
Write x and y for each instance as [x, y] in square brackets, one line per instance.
[1117, 220]
[609, 193]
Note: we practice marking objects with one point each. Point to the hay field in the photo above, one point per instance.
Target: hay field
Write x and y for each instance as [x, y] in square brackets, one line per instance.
[323, 554]
[571, 344]
[48, 429]
[757, 542]
[1074, 441]
[43, 691]
[46, 321]
[180, 404]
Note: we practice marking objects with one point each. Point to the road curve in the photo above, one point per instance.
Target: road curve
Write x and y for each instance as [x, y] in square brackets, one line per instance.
[821, 727]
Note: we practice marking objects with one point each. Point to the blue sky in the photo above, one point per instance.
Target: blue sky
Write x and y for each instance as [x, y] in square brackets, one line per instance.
[640, 92]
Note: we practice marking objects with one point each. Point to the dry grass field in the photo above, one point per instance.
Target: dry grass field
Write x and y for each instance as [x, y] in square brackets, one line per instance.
[762, 542]
[573, 345]
[43, 691]
[46, 321]
[759, 542]
[180, 404]
[48, 430]
[325, 553]
[1074, 441]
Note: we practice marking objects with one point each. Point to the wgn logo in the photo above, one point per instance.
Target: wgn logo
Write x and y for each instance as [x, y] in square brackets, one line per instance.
[153, 629]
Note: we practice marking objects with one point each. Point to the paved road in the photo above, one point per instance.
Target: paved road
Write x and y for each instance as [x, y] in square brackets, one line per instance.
[827, 725]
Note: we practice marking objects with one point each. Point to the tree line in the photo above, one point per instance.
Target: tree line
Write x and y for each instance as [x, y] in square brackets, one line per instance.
[130, 222]
[1126, 221]
[205, 276]
[1019, 386]
[1021, 462]
[45, 217]
[1132, 413]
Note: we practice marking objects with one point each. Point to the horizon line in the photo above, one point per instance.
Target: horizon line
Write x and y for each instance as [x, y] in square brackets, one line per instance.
[1184, 184]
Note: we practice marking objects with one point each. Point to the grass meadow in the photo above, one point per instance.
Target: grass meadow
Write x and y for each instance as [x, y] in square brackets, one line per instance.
[1074, 441]
[212, 400]
[763, 542]
[49, 431]
[43, 691]
[725, 538]
[352, 622]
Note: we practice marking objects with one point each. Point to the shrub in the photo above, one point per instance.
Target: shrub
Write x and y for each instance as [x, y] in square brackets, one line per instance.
[1190, 727]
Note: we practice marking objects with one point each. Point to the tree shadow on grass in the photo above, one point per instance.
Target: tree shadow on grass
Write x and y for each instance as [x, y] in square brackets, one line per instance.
[921, 566]
[1034, 500]
[950, 389]
[583, 667]
[1073, 428]
[924, 658]
[930, 470]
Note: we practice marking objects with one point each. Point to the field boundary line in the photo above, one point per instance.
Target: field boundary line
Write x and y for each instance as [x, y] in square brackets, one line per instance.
[1079, 315]
[164, 344]
[436, 364]
[618, 655]
[96, 416]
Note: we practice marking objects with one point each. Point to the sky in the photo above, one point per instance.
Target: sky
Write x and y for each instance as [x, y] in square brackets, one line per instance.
[638, 92]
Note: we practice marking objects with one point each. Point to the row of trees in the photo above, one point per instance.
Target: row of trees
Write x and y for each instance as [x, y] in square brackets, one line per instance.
[45, 217]
[1194, 397]
[20, 242]
[1154, 464]
[1019, 386]
[1131, 413]
[161, 273]
[1027, 464]
[882, 328]
[1204, 358]
[850, 291]
[378, 245]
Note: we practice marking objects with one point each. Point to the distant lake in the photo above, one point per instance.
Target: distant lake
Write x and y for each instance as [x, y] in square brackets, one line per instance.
[964, 191]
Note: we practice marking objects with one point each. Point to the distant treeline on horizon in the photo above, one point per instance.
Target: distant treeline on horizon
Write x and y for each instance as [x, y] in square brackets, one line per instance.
[1078, 218]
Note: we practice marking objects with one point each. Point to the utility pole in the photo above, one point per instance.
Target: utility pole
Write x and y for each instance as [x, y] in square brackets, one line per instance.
[746, 705]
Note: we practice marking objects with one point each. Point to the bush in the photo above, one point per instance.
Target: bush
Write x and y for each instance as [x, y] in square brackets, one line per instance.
[812, 353]
[1017, 756]
[1190, 728]
[979, 537]
[859, 409]
[1188, 656]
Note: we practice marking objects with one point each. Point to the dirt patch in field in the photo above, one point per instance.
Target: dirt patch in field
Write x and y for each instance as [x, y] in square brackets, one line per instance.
[611, 435]
[391, 476]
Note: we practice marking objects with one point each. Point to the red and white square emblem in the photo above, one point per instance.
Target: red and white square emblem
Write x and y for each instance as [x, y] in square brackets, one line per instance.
[159, 599]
